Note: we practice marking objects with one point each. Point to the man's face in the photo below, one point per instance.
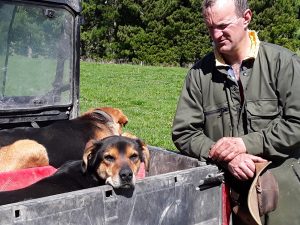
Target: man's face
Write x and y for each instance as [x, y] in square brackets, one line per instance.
[225, 27]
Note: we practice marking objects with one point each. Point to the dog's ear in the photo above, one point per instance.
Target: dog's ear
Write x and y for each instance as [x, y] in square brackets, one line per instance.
[119, 116]
[89, 147]
[145, 153]
[123, 120]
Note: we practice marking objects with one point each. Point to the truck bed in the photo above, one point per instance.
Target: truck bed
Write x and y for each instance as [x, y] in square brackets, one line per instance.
[176, 190]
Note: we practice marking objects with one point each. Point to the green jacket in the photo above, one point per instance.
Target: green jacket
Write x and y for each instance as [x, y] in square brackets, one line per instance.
[268, 121]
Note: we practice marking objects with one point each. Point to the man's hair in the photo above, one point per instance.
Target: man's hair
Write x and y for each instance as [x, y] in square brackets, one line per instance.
[240, 5]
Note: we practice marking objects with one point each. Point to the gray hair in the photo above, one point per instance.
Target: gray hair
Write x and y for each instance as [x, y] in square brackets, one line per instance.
[240, 5]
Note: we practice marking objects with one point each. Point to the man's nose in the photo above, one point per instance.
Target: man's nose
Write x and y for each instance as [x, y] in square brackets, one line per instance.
[216, 33]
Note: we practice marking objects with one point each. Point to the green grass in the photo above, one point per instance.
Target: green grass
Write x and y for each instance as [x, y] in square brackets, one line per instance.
[147, 95]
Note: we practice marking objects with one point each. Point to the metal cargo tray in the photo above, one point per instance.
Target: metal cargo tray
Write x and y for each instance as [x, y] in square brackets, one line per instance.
[177, 190]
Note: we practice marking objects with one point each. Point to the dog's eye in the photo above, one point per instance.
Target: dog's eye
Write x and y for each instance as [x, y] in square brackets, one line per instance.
[109, 158]
[133, 157]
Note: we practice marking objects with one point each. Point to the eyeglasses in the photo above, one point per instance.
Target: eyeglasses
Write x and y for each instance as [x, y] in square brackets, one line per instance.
[223, 26]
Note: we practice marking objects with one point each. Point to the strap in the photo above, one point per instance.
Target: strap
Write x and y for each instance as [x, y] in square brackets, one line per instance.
[104, 114]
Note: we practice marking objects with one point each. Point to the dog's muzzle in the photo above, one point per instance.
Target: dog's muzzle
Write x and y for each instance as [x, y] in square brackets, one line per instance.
[125, 179]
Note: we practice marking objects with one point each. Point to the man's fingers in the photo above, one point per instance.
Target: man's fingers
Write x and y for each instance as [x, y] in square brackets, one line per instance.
[247, 171]
[250, 164]
[215, 148]
[222, 155]
[230, 156]
[223, 148]
[256, 158]
[242, 166]
[239, 174]
[219, 143]
[227, 155]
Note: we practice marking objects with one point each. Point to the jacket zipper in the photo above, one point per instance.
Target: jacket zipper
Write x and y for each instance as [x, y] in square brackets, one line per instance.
[221, 110]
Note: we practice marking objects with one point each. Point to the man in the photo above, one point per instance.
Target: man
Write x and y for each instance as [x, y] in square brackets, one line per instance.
[241, 104]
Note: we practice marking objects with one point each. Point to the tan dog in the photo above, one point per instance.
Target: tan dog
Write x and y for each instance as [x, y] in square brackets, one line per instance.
[22, 154]
[62, 140]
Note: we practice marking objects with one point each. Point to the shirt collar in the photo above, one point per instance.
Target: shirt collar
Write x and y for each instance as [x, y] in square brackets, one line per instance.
[252, 53]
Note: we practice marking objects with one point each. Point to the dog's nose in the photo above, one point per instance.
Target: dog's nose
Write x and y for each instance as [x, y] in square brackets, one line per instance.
[126, 174]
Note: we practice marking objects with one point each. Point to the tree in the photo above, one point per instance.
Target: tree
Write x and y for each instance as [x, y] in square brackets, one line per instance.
[99, 29]
[173, 32]
[277, 22]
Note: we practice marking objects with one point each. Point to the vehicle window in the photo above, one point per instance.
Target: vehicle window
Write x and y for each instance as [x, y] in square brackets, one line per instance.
[36, 53]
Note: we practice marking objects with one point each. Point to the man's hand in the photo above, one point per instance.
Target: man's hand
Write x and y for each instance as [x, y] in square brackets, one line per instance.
[227, 148]
[243, 167]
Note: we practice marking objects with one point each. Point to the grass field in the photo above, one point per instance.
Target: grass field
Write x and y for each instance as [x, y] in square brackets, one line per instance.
[147, 95]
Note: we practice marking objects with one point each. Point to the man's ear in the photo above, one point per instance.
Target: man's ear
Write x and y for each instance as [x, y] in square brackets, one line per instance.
[247, 18]
[89, 147]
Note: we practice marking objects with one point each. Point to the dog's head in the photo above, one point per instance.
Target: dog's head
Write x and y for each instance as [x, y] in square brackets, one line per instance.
[113, 117]
[115, 159]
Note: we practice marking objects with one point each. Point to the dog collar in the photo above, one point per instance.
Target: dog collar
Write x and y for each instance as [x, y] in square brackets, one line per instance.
[105, 115]
[110, 122]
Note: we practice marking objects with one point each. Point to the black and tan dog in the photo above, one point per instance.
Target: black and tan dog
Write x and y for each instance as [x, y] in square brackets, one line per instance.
[114, 160]
[59, 142]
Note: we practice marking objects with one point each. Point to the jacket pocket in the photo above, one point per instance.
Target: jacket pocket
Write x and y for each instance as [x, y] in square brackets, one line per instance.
[261, 113]
[217, 123]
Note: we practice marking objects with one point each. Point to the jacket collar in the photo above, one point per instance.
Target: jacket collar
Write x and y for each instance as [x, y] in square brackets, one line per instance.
[252, 54]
